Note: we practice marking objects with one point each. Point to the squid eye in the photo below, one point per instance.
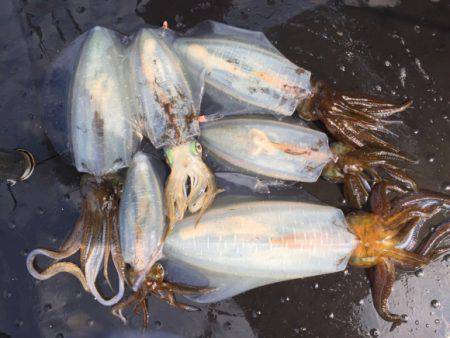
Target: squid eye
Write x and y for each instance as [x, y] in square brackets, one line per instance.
[169, 156]
[198, 147]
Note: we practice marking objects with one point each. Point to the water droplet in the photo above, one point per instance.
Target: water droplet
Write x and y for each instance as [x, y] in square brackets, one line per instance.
[431, 159]
[40, 211]
[342, 201]
[446, 187]
[90, 322]
[416, 131]
[427, 325]
[346, 272]
[416, 322]
[374, 332]
[157, 324]
[331, 315]
[227, 326]
[316, 286]
[12, 225]
[18, 322]
[361, 302]
[7, 294]
[47, 307]
[387, 63]
[435, 303]
[419, 273]
[437, 321]
[24, 252]
[342, 68]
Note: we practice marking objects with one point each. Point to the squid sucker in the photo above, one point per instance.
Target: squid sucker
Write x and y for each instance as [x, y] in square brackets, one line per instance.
[89, 105]
[168, 102]
[243, 244]
[142, 229]
[246, 73]
[268, 147]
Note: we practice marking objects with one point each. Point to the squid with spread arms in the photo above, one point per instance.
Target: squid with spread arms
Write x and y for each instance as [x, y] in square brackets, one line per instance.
[241, 245]
[244, 242]
[245, 72]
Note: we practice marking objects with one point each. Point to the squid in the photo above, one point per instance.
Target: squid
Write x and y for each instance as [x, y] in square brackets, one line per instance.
[246, 73]
[142, 229]
[168, 102]
[242, 243]
[279, 149]
[89, 104]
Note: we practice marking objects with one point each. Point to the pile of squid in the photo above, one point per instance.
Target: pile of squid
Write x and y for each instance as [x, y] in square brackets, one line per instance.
[230, 92]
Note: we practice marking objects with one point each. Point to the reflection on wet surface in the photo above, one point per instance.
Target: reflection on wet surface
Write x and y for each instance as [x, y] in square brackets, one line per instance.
[395, 49]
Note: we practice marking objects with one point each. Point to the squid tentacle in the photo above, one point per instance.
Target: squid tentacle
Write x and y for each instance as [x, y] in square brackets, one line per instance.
[382, 277]
[400, 176]
[352, 118]
[421, 199]
[429, 247]
[165, 291]
[355, 190]
[92, 237]
[373, 154]
[188, 169]
[70, 247]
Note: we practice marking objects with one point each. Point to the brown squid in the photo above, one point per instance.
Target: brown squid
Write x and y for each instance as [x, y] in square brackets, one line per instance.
[360, 169]
[389, 239]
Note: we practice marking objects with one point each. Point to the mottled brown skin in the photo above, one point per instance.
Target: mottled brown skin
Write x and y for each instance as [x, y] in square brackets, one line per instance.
[352, 119]
[154, 284]
[390, 224]
[360, 169]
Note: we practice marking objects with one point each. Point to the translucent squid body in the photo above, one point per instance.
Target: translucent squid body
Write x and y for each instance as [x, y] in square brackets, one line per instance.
[241, 245]
[246, 73]
[168, 103]
[284, 150]
[143, 227]
[89, 104]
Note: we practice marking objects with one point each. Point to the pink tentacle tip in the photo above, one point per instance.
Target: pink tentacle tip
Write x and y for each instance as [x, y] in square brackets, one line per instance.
[202, 119]
[165, 25]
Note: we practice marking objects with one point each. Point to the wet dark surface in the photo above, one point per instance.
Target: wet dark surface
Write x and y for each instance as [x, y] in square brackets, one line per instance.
[400, 51]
